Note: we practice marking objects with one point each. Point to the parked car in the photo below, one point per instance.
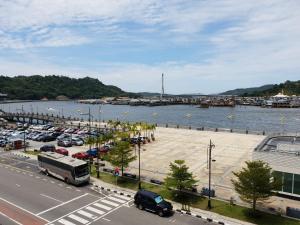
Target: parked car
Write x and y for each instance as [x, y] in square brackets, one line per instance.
[64, 143]
[153, 202]
[63, 136]
[47, 148]
[80, 155]
[77, 141]
[47, 138]
[62, 151]
[93, 152]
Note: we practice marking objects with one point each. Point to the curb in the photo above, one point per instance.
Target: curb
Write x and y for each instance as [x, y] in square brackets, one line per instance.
[199, 216]
[111, 190]
[177, 210]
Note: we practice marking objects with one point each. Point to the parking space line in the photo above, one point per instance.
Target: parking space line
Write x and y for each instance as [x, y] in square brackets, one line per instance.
[123, 197]
[116, 199]
[110, 203]
[102, 206]
[98, 211]
[73, 199]
[86, 214]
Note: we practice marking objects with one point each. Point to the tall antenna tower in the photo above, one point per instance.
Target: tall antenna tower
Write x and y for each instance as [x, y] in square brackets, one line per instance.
[162, 87]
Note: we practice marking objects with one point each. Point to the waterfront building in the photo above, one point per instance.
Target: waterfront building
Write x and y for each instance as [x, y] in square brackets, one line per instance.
[282, 153]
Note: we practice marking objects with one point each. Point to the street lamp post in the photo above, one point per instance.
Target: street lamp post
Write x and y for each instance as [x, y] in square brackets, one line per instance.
[211, 145]
[139, 145]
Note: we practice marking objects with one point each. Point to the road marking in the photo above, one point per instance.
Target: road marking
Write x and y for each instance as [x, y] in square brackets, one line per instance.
[44, 179]
[98, 211]
[23, 209]
[116, 199]
[106, 219]
[31, 175]
[37, 177]
[77, 218]
[102, 206]
[50, 197]
[47, 210]
[10, 218]
[87, 214]
[78, 190]
[24, 173]
[65, 222]
[28, 167]
[18, 185]
[74, 211]
[110, 203]
[52, 182]
[123, 197]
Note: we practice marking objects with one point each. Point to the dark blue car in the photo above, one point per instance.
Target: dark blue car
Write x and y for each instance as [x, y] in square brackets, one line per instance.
[93, 152]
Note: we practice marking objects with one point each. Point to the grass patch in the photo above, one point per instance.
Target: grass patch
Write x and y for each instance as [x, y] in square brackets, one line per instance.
[220, 207]
[32, 152]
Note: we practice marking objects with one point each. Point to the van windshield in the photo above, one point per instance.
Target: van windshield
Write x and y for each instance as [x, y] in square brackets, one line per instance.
[81, 170]
[158, 199]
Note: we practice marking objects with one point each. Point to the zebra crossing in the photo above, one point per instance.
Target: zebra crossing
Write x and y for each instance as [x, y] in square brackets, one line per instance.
[93, 211]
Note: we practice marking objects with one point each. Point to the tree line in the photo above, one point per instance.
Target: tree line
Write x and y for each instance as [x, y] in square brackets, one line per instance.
[37, 87]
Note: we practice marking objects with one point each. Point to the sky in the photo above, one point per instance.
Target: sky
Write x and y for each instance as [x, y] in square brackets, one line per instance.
[202, 46]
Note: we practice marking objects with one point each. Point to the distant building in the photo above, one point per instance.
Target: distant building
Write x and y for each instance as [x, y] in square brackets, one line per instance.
[282, 153]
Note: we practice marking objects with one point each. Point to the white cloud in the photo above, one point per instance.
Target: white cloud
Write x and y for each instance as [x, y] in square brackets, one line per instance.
[251, 42]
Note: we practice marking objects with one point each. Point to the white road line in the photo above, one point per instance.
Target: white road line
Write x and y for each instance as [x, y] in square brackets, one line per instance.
[73, 211]
[116, 199]
[102, 206]
[98, 211]
[106, 219]
[18, 185]
[77, 218]
[123, 197]
[73, 199]
[50, 197]
[10, 218]
[86, 214]
[23, 209]
[65, 222]
[110, 203]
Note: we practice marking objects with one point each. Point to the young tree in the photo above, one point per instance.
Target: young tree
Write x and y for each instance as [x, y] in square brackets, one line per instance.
[255, 182]
[179, 177]
[121, 155]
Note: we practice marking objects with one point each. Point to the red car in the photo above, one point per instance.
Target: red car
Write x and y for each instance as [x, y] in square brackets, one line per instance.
[62, 151]
[80, 155]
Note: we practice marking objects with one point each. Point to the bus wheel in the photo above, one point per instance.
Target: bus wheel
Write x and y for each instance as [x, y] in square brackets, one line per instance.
[67, 180]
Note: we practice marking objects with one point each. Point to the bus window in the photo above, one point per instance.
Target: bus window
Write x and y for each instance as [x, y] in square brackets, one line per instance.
[81, 170]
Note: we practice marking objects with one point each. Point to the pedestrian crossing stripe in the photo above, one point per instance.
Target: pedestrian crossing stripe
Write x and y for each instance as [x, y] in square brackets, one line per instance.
[123, 197]
[102, 206]
[77, 218]
[116, 199]
[66, 222]
[98, 211]
[110, 203]
[87, 214]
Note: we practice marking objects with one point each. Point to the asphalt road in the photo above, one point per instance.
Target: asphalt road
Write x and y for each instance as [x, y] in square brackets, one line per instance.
[31, 198]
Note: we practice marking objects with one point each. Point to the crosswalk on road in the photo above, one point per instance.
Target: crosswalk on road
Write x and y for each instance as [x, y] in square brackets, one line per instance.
[93, 211]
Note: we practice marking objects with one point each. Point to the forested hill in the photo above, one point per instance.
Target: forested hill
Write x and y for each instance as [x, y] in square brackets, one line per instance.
[37, 87]
[288, 87]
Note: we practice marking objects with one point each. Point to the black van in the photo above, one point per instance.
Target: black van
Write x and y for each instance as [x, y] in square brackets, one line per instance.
[47, 148]
[153, 202]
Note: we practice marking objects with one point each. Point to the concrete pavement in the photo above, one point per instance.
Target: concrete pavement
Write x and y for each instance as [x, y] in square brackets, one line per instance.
[31, 198]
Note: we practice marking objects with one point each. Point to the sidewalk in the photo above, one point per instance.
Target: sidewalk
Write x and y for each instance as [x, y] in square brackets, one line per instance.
[177, 206]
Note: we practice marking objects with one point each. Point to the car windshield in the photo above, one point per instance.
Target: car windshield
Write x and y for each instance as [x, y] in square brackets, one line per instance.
[158, 199]
[81, 170]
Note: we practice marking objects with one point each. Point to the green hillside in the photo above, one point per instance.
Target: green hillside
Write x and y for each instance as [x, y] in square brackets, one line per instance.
[288, 87]
[37, 87]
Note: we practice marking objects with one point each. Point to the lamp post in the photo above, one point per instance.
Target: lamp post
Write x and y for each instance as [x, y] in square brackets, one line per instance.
[211, 145]
[139, 146]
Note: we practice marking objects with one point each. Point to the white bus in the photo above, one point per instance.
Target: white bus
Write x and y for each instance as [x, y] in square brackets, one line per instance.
[71, 170]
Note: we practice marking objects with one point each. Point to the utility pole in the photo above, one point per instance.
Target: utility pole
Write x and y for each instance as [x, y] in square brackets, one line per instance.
[211, 145]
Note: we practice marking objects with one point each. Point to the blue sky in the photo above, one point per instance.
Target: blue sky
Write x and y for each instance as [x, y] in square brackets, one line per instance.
[202, 46]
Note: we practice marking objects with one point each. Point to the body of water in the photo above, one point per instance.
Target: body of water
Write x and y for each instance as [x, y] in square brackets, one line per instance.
[241, 117]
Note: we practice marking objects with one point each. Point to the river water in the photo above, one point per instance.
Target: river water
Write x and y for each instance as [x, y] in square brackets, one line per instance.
[241, 117]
